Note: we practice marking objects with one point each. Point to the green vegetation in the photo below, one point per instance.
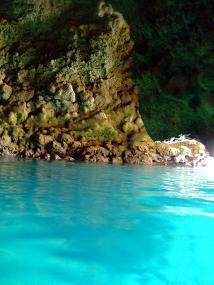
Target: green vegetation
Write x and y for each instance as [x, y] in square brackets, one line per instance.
[173, 64]
[95, 130]
[105, 134]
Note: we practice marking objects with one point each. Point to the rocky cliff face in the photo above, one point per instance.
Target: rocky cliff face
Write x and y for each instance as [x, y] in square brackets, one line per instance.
[66, 91]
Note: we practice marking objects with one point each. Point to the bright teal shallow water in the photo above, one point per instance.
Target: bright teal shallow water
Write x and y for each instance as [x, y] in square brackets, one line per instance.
[78, 224]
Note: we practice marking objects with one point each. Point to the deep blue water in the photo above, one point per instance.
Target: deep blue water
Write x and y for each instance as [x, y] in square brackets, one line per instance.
[64, 223]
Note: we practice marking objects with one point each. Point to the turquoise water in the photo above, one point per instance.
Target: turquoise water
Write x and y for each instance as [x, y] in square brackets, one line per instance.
[66, 223]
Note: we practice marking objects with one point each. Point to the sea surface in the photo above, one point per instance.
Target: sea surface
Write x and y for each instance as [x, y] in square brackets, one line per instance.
[65, 223]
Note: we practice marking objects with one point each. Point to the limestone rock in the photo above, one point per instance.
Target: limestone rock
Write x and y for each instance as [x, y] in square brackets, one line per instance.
[5, 92]
[74, 97]
[12, 118]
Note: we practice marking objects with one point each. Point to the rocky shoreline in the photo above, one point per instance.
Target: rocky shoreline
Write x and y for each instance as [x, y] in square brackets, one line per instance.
[188, 153]
[76, 99]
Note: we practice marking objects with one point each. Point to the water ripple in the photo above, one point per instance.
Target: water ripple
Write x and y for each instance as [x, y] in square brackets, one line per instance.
[73, 223]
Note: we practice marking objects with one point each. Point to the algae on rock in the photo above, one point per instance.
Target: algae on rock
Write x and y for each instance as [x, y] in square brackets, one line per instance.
[66, 86]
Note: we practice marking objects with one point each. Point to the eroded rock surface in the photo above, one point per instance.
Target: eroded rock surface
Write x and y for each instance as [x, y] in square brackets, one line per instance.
[82, 104]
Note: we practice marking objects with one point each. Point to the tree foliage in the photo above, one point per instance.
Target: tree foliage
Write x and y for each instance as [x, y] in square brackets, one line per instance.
[173, 47]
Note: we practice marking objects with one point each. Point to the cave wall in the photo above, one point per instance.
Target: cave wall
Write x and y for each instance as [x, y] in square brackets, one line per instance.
[66, 77]
[173, 58]
[68, 85]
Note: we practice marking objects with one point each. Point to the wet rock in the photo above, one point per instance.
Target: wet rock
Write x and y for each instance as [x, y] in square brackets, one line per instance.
[96, 154]
[47, 156]
[28, 153]
[69, 158]
[57, 157]
[187, 152]
[117, 160]
[137, 157]
[55, 147]
[180, 158]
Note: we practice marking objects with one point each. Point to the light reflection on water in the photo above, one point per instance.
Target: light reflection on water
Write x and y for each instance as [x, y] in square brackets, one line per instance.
[74, 223]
